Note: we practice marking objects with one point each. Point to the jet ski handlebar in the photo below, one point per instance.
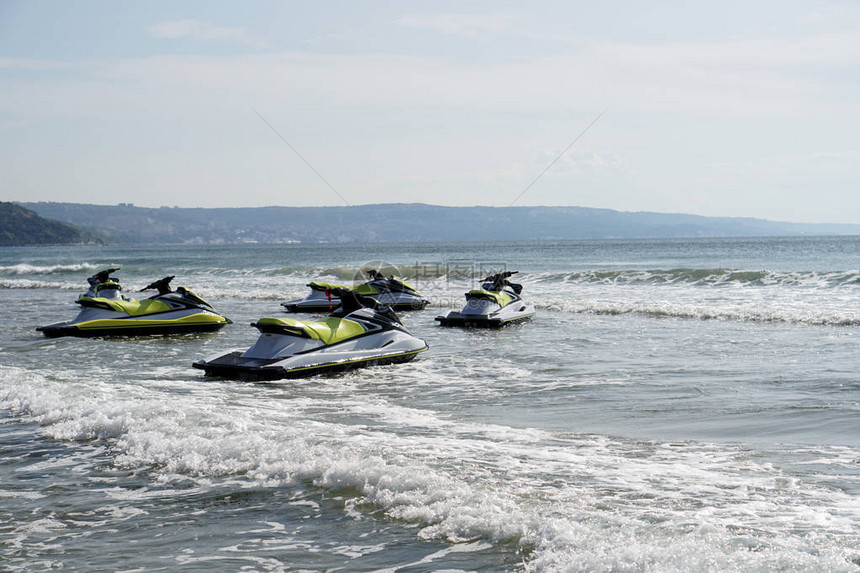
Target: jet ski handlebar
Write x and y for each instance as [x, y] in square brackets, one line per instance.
[500, 276]
[500, 280]
[161, 285]
[103, 276]
[351, 300]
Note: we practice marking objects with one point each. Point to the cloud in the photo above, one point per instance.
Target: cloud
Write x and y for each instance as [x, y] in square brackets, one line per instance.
[766, 76]
[730, 79]
[29, 64]
[821, 158]
[458, 24]
[449, 128]
[811, 18]
[199, 30]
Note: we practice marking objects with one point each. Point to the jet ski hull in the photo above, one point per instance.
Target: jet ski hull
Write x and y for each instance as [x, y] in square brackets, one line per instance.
[234, 366]
[309, 306]
[454, 318]
[314, 305]
[132, 326]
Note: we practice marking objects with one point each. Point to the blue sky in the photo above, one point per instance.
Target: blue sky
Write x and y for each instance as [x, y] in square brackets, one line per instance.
[714, 108]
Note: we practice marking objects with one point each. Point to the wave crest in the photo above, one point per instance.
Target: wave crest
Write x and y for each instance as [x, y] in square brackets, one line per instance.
[707, 277]
[27, 269]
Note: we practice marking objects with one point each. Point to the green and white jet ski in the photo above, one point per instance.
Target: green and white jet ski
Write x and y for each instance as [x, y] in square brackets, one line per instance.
[389, 291]
[497, 303]
[359, 333]
[106, 311]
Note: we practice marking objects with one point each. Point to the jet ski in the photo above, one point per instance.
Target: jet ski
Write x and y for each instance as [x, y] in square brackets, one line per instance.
[389, 291]
[497, 303]
[106, 311]
[359, 333]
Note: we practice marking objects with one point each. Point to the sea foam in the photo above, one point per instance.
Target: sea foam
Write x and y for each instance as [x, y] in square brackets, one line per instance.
[569, 502]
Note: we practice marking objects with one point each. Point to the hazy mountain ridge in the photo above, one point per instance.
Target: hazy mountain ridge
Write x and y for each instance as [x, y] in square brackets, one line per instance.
[20, 226]
[129, 224]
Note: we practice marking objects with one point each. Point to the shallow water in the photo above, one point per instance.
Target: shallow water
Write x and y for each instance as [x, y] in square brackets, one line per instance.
[675, 406]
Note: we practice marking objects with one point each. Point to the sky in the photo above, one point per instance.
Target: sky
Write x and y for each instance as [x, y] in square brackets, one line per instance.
[718, 108]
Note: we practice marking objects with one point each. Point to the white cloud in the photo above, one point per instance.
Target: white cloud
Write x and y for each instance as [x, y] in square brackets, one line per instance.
[729, 78]
[820, 159]
[459, 24]
[770, 51]
[811, 18]
[30, 64]
[199, 30]
[450, 131]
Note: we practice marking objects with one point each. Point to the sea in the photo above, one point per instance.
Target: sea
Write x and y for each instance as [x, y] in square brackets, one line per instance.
[675, 405]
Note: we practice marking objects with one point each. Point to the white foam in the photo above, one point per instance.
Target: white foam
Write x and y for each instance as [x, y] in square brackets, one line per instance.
[570, 502]
[34, 284]
[28, 269]
[21, 494]
[754, 304]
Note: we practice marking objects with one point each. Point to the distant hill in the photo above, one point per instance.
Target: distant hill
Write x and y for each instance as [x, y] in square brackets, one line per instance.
[20, 227]
[128, 224]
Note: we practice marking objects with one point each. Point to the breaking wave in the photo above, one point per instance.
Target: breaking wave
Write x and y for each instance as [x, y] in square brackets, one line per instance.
[565, 501]
[35, 284]
[706, 277]
[27, 269]
[733, 312]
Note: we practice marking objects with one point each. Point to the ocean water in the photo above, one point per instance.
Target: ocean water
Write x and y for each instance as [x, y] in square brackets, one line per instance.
[676, 405]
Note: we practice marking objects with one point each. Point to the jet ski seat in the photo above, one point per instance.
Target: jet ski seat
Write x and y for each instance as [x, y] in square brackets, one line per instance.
[366, 289]
[324, 286]
[328, 331]
[130, 307]
[500, 298]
